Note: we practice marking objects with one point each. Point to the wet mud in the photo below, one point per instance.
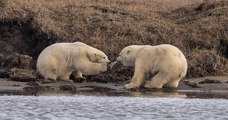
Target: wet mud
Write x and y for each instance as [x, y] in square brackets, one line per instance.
[110, 88]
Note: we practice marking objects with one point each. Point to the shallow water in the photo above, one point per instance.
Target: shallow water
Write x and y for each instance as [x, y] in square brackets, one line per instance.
[110, 108]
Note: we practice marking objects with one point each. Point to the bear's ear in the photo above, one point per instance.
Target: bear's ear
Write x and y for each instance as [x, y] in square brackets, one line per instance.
[128, 51]
[93, 54]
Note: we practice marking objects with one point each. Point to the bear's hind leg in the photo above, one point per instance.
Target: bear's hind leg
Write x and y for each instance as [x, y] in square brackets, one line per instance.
[48, 70]
[65, 77]
[157, 81]
[51, 75]
[173, 83]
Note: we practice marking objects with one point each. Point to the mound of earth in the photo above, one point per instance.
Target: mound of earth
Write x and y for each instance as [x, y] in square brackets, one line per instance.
[27, 27]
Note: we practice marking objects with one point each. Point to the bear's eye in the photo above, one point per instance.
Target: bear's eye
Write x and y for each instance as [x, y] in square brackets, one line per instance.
[103, 57]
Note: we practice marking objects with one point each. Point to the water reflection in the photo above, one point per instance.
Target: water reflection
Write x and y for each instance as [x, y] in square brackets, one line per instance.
[148, 94]
[165, 93]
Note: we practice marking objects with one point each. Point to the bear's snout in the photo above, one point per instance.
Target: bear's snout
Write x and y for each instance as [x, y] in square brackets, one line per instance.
[119, 59]
[108, 61]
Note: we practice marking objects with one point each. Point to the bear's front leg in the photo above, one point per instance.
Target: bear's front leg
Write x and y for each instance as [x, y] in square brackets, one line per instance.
[98, 68]
[65, 77]
[87, 67]
[137, 79]
[78, 75]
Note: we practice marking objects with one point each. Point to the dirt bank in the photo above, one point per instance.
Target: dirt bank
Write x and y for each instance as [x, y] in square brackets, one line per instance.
[198, 28]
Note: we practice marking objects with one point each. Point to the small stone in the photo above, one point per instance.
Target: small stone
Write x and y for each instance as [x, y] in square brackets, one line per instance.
[22, 78]
[70, 88]
[22, 75]
[208, 81]
[79, 80]
[48, 81]
[191, 84]
[4, 74]
[18, 61]
[32, 84]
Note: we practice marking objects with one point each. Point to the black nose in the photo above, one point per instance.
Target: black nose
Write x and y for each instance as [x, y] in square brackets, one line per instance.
[113, 60]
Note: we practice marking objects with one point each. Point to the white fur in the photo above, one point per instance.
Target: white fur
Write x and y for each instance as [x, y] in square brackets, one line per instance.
[59, 60]
[166, 63]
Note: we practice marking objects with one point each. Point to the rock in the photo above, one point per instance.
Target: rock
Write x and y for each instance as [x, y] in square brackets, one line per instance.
[223, 47]
[191, 84]
[1, 58]
[79, 80]
[34, 88]
[18, 61]
[4, 73]
[16, 85]
[100, 79]
[32, 83]
[22, 78]
[208, 81]
[1, 3]
[23, 75]
[48, 81]
[70, 88]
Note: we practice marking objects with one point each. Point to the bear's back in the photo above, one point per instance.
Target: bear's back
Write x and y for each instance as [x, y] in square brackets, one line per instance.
[58, 48]
[167, 49]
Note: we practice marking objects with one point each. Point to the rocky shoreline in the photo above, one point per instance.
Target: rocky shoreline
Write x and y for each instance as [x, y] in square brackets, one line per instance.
[205, 87]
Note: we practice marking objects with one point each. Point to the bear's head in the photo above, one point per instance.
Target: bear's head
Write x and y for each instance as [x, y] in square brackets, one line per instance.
[128, 55]
[98, 56]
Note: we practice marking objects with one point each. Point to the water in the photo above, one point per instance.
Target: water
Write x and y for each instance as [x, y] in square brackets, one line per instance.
[110, 108]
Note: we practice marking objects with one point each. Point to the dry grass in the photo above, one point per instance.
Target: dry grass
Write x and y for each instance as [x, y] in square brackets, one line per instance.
[197, 27]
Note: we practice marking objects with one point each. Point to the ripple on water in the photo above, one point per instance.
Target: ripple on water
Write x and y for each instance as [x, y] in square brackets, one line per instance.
[111, 108]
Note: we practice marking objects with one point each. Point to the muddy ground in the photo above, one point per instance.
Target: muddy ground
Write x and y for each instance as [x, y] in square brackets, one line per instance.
[204, 87]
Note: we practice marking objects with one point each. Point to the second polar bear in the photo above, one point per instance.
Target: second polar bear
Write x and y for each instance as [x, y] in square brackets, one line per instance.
[59, 60]
[166, 63]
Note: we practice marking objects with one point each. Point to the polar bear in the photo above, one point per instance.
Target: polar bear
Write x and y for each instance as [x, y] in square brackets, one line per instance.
[59, 60]
[166, 63]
